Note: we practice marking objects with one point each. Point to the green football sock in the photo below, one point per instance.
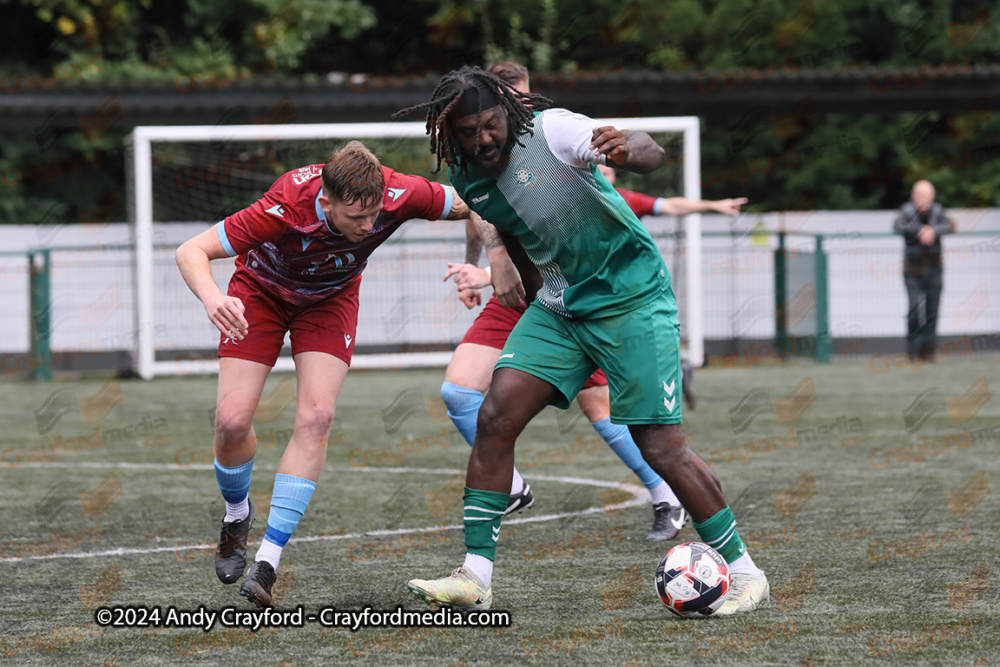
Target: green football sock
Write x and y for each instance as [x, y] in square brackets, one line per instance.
[483, 513]
[719, 532]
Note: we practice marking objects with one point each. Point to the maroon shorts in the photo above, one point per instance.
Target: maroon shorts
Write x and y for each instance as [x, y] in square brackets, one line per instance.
[598, 379]
[493, 327]
[327, 326]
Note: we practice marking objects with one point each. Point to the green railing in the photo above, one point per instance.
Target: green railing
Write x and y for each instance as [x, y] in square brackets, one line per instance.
[39, 275]
[786, 337]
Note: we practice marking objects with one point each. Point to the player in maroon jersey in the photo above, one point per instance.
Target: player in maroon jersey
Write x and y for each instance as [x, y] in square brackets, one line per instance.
[300, 252]
[470, 372]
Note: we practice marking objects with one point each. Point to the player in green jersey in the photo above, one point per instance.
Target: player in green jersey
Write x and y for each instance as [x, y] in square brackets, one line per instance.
[605, 302]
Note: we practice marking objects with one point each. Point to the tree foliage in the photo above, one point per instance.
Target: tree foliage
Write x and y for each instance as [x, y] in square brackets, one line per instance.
[814, 160]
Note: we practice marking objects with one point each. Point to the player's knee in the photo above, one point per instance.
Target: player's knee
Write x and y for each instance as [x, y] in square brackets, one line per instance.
[232, 427]
[666, 439]
[594, 411]
[315, 418]
[494, 426]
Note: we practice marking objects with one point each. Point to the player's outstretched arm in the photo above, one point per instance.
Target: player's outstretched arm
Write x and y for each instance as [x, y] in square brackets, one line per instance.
[193, 258]
[624, 149]
[459, 209]
[684, 206]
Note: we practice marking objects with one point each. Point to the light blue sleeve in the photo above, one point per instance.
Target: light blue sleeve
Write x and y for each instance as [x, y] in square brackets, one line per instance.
[226, 245]
[449, 195]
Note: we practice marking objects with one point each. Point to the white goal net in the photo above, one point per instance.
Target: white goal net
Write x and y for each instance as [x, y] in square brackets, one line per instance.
[183, 179]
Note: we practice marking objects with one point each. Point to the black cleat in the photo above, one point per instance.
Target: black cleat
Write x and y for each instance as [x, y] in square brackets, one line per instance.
[687, 383]
[257, 586]
[520, 501]
[667, 522]
[231, 552]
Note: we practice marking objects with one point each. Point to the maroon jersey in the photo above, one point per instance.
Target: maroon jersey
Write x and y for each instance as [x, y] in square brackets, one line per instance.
[291, 250]
[639, 203]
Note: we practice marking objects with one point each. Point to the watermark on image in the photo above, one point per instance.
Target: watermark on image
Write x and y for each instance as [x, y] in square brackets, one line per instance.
[396, 454]
[789, 503]
[92, 409]
[742, 642]
[571, 640]
[791, 596]
[932, 401]
[915, 548]
[964, 502]
[572, 546]
[786, 126]
[620, 592]
[99, 593]
[98, 500]
[917, 641]
[965, 595]
[758, 401]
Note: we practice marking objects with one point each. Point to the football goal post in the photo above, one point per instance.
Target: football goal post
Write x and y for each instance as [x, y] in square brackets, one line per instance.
[184, 179]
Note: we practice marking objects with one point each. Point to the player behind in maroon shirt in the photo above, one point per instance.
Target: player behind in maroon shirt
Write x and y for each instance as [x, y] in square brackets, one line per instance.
[642, 205]
[300, 252]
[470, 372]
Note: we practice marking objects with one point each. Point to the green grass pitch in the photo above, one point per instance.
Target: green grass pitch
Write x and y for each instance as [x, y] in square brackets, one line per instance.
[880, 544]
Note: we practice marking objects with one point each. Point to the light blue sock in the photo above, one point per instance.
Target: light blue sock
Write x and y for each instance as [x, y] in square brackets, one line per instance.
[234, 482]
[289, 500]
[463, 408]
[620, 440]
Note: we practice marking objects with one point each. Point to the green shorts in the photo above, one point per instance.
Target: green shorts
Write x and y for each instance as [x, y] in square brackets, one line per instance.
[639, 352]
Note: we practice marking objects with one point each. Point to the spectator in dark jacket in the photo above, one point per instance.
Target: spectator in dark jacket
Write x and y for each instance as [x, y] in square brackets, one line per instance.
[922, 222]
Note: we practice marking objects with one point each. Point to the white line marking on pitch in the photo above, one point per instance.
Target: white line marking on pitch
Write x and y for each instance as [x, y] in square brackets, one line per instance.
[638, 498]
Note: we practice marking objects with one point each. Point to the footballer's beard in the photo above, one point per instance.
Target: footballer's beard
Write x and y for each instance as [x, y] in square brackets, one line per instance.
[492, 159]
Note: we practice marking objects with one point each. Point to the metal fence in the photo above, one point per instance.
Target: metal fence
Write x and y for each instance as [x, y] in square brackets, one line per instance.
[405, 305]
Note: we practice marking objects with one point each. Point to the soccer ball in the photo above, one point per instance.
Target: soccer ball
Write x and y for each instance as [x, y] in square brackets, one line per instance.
[692, 580]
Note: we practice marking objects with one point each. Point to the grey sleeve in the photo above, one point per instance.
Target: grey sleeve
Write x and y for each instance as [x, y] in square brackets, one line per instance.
[906, 224]
[940, 223]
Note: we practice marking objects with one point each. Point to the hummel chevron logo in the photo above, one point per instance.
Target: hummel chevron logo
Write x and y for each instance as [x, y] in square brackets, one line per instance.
[669, 388]
[277, 210]
[476, 200]
[347, 340]
[496, 533]
[394, 193]
[305, 242]
[507, 356]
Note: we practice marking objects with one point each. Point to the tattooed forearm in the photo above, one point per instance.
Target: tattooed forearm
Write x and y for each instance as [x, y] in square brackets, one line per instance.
[473, 243]
[487, 232]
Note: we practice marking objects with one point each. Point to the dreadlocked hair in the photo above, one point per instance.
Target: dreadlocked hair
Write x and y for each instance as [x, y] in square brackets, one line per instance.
[520, 108]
